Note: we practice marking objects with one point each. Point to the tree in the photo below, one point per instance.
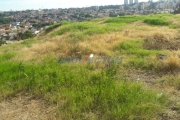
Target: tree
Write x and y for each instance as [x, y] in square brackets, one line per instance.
[26, 35]
[2, 42]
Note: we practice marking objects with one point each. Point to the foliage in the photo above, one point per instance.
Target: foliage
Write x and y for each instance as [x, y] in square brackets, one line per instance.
[40, 25]
[5, 20]
[2, 42]
[26, 35]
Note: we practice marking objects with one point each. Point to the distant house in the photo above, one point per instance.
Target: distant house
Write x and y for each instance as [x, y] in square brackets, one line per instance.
[36, 32]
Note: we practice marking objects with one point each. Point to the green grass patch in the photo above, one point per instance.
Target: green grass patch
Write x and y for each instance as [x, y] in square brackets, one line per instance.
[6, 57]
[135, 47]
[97, 30]
[142, 63]
[29, 42]
[75, 37]
[71, 28]
[154, 21]
[124, 19]
[54, 26]
[83, 90]
[175, 26]
[137, 56]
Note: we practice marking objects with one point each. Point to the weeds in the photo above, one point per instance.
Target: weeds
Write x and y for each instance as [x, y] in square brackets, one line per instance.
[83, 91]
[93, 91]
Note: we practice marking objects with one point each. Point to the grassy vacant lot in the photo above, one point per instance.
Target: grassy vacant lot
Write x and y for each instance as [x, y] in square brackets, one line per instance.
[148, 45]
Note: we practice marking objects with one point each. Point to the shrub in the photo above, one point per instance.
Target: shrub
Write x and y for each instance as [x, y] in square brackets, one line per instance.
[2, 42]
[26, 35]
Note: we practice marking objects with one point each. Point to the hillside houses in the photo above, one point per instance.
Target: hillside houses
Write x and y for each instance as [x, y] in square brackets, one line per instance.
[37, 20]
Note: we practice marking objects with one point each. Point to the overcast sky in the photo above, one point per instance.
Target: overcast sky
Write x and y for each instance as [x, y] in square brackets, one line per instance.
[6, 5]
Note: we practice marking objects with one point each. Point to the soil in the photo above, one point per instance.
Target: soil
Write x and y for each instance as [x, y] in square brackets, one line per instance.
[25, 108]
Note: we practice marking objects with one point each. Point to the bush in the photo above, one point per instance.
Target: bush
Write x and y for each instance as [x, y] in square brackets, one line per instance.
[2, 42]
[26, 35]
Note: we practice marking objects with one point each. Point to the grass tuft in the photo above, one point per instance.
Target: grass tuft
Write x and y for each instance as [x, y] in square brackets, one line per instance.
[171, 63]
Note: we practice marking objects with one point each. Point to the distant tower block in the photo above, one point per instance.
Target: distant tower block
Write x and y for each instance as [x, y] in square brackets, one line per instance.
[125, 2]
[136, 1]
[130, 1]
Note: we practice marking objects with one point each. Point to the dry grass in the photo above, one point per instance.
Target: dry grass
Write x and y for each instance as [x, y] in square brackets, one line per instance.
[162, 40]
[144, 31]
[59, 46]
[173, 81]
[171, 63]
[102, 44]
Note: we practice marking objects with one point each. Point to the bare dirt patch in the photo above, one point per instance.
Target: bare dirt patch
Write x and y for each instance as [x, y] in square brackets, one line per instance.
[25, 108]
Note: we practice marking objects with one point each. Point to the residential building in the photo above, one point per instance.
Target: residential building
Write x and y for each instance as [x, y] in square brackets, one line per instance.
[130, 1]
[135, 1]
[125, 2]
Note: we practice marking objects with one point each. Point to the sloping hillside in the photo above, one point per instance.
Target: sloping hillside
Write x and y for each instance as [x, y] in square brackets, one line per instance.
[133, 72]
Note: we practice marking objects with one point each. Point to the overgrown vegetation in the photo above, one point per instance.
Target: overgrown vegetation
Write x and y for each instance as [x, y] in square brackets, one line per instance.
[82, 90]
[95, 91]
[5, 20]
[26, 35]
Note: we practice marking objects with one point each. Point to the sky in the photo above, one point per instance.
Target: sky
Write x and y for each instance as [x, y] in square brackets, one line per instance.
[7, 5]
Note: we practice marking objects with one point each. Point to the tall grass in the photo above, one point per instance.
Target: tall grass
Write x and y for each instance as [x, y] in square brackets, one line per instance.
[89, 91]
[80, 92]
